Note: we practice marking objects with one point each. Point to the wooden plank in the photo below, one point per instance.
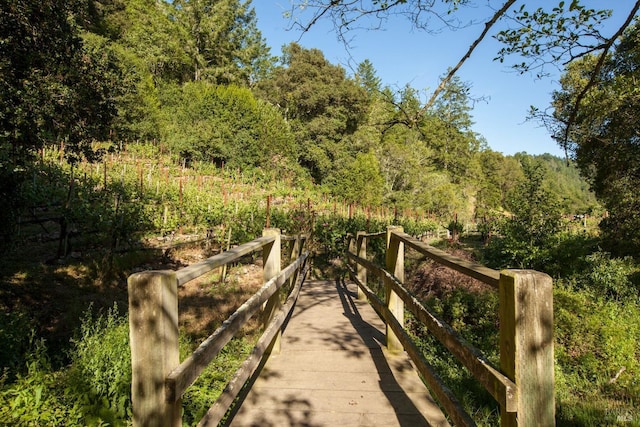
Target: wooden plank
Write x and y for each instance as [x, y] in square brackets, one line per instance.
[334, 371]
[477, 271]
[189, 370]
[196, 270]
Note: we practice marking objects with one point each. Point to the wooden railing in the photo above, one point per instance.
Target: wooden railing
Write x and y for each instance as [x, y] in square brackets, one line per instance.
[159, 380]
[523, 385]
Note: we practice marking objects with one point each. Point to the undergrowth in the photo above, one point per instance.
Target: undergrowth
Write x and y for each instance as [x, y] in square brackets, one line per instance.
[597, 338]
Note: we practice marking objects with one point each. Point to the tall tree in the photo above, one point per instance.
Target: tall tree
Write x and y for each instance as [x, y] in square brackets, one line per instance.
[51, 89]
[449, 131]
[603, 136]
[367, 78]
[148, 29]
[225, 44]
[321, 103]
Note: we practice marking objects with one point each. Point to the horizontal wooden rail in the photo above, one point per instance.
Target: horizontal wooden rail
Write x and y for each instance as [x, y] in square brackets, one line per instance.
[158, 378]
[447, 399]
[496, 383]
[196, 270]
[477, 271]
[524, 383]
[219, 409]
[189, 370]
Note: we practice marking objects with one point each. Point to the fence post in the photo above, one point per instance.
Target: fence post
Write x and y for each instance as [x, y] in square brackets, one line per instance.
[526, 345]
[153, 332]
[296, 251]
[395, 266]
[271, 268]
[361, 271]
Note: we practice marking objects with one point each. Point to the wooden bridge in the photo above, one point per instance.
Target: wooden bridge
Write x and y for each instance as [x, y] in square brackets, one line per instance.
[334, 369]
[333, 352]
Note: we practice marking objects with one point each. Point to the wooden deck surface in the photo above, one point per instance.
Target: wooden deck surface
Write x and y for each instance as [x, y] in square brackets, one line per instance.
[334, 370]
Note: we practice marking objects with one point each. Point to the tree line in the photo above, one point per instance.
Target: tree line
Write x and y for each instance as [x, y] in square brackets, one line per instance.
[197, 79]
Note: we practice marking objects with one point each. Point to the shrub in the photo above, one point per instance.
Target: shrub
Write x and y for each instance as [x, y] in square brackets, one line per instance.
[597, 357]
[36, 398]
[15, 330]
[610, 277]
[100, 373]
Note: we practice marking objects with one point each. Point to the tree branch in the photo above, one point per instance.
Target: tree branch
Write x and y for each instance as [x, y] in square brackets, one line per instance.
[593, 79]
[452, 71]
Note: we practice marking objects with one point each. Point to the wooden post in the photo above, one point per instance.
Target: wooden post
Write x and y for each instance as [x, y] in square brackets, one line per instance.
[361, 271]
[271, 268]
[153, 332]
[268, 214]
[395, 266]
[296, 251]
[526, 345]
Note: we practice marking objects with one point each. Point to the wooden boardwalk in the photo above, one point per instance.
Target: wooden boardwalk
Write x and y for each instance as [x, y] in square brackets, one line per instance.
[334, 370]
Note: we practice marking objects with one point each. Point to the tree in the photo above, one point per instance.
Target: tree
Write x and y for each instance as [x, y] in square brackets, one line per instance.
[499, 175]
[603, 135]
[51, 89]
[551, 34]
[148, 29]
[358, 181]
[54, 89]
[224, 124]
[322, 105]
[367, 78]
[534, 222]
[225, 44]
[448, 131]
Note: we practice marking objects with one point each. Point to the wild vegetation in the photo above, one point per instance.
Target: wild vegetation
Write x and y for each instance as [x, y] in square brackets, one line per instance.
[127, 126]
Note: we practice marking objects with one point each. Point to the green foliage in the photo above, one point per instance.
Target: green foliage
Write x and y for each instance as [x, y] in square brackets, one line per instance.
[474, 317]
[610, 278]
[526, 238]
[321, 103]
[100, 373]
[38, 396]
[52, 88]
[15, 331]
[200, 396]
[225, 125]
[557, 34]
[602, 135]
[358, 181]
[596, 339]
[224, 43]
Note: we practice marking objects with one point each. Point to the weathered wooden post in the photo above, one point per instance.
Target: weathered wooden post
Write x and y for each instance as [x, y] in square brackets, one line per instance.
[361, 271]
[395, 266]
[153, 332]
[526, 345]
[271, 268]
[296, 251]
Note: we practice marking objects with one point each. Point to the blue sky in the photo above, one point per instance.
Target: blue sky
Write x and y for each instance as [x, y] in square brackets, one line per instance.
[402, 55]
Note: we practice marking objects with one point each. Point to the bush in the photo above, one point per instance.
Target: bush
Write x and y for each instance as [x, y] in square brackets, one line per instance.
[15, 330]
[610, 277]
[100, 373]
[597, 357]
[36, 398]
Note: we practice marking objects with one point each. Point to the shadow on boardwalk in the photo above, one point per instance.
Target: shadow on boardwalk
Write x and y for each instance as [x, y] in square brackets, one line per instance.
[335, 370]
